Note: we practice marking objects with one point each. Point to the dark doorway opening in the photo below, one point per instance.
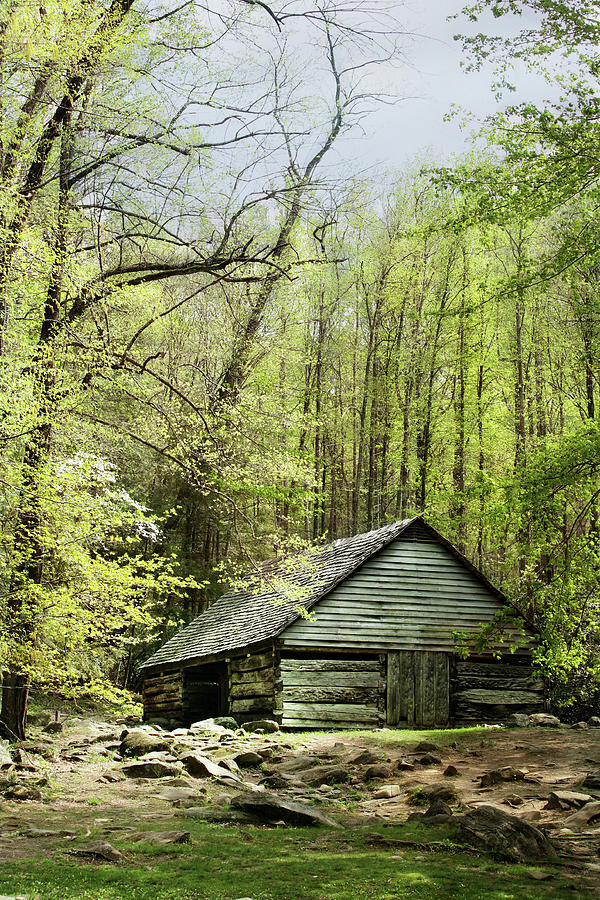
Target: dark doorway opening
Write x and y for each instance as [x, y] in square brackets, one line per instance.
[204, 692]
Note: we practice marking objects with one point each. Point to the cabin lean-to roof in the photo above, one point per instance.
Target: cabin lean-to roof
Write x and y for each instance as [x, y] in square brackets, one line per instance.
[243, 618]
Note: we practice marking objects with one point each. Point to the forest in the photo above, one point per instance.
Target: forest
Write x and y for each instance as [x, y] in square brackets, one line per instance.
[219, 343]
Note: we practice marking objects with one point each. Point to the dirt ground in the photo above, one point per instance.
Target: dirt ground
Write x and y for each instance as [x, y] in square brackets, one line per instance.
[87, 793]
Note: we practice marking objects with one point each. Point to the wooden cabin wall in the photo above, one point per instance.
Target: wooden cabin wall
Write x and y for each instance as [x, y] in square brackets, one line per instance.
[252, 686]
[340, 692]
[413, 595]
[487, 690]
[162, 695]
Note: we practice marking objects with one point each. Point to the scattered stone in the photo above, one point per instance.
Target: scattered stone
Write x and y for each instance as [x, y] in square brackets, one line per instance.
[276, 782]
[513, 800]
[160, 838]
[211, 726]
[365, 758]
[53, 728]
[297, 763]
[438, 813]
[519, 720]
[579, 726]
[386, 792]
[248, 760]
[177, 793]
[218, 816]
[591, 781]
[324, 775]
[151, 769]
[270, 808]
[496, 776]
[405, 766]
[139, 743]
[226, 722]
[451, 772]
[377, 772]
[6, 760]
[594, 722]
[506, 835]
[265, 725]
[567, 800]
[536, 875]
[429, 760]
[203, 767]
[425, 747]
[100, 850]
[590, 812]
[544, 719]
[22, 792]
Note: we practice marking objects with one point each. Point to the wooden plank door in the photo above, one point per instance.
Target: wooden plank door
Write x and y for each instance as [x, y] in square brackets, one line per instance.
[418, 688]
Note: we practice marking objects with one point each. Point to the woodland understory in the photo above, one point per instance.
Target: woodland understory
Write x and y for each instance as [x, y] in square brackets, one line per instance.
[219, 343]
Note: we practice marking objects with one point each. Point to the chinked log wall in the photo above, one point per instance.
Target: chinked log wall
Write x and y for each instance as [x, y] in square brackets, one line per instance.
[332, 693]
[163, 695]
[252, 686]
[487, 691]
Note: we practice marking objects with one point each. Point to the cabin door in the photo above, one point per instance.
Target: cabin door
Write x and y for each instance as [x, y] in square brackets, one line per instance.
[418, 688]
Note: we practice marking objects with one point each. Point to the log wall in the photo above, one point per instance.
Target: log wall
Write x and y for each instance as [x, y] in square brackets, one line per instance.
[252, 686]
[330, 692]
[487, 690]
[162, 695]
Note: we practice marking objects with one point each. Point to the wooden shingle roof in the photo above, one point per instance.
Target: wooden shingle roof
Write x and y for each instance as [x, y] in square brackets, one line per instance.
[255, 614]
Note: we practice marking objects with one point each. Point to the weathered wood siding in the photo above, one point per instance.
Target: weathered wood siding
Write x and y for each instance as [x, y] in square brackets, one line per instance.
[252, 686]
[418, 688]
[486, 691]
[332, 693]
[162, 695]
[412, 595]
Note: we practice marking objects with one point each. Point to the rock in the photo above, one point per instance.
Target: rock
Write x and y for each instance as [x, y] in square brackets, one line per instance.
[160, 838]
[451, 771]
[496, 776]
[518, 720]
[508, 836]
[139, 742]
[270, 808]
[567, 800]
[6, 760]
[579, 726]
[297, 763]
[46, 751]
[429, 760]
[266, 725]
[210, 726]
[379, 771]
[405, 766]
[22, 792]
[513, 800]
[177, 793]
[324, 775]
[365, 758]
[544, 719]
[225, 816]
[425, 747]
[100, 850]
[248, 759]
[436, 809]
[594, 721]
[151, 769]
[591, 781]
[53, 728]
[226, 722]
[386, 792]
[590, 812]
[203, 767]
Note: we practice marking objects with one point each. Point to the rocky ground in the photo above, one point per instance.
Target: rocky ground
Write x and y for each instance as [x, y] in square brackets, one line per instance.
[528, 794]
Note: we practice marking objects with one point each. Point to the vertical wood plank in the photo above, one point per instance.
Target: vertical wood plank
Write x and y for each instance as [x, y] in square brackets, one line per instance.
[429, 667]
[393, 687]
[442, 689]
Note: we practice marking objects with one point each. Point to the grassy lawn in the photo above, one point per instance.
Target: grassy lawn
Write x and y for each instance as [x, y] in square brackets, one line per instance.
[224, 863]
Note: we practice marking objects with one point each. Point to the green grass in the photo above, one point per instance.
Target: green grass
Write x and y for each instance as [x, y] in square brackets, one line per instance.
[443, 737]
[223, 863]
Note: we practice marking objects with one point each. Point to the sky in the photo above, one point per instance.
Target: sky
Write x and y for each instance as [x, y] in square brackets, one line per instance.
[432, 82]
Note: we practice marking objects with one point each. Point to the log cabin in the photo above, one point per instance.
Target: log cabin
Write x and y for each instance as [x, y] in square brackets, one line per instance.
[359, 633]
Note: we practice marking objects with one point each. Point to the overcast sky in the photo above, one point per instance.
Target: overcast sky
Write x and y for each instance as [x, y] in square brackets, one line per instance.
[433, 82]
